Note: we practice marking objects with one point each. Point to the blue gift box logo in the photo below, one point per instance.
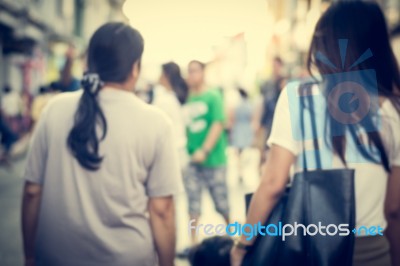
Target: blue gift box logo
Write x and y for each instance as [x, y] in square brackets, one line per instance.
[351, 100]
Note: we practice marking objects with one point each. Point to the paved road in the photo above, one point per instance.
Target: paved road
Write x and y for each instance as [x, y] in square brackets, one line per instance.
[10, 201]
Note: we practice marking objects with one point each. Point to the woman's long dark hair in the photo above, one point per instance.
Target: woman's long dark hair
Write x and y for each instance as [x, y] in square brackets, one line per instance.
[113, 50]
[173, 73]
[364, 25]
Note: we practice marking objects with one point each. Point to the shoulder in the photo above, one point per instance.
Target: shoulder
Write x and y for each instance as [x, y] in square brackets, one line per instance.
[212, 95]
[295, 90]
[283, 99]
[157, 116]
[163, 98]
[214, 92]
[63, 102]
[65, 98]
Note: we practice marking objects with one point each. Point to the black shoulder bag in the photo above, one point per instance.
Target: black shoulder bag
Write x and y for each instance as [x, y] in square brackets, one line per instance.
[317, 196]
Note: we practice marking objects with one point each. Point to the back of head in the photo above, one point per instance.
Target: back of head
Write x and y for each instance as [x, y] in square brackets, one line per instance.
[171, 69]
[361, 28]
[363, 25]
[113, 51]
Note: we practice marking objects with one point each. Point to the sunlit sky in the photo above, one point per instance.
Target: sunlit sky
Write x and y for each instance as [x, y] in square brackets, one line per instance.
[182, 30]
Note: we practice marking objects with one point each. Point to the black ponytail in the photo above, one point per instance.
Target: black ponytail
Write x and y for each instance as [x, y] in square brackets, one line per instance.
[173, 73]
[113, 50]
[82, 139]
[181, 90]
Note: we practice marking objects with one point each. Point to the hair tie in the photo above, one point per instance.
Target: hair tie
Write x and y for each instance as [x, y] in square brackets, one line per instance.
[91, 82]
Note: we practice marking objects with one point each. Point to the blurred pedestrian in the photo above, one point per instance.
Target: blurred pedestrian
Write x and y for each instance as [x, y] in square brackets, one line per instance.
[11, 107]
[206, 146]
[68, 82]
[7, 140]
[242, 131]
[377, 178]
[102, 169]
[170, 85]
[270, 91]
[25, 120]
[171, 77]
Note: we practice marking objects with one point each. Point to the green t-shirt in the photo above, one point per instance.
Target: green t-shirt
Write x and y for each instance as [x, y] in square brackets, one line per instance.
[203, 110]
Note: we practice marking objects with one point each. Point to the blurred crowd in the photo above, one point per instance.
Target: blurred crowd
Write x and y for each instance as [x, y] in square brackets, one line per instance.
[20, 110]
[247, 122]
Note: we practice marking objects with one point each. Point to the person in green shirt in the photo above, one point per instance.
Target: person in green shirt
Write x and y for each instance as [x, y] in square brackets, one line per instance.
[206, 144]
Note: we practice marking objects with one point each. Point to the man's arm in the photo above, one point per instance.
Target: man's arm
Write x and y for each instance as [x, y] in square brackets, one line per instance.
[217, 112]
[212, 137]
[392, 211]
[30, 210]
[162, 220]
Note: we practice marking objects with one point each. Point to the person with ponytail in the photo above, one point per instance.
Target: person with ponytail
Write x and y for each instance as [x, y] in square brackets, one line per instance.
[172, 79]
[168, 95]
[102, 168]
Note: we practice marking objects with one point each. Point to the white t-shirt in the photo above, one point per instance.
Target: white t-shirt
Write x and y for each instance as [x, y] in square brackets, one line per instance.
[168, 102]
[370, 178]
[101, 218]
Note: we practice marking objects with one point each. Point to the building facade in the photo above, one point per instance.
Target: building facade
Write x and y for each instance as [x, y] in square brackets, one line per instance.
[35, 35]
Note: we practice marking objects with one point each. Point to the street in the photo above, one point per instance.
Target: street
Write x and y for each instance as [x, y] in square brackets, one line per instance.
[10, 201]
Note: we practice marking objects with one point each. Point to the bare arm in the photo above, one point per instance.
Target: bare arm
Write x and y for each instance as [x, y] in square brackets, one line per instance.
[273, 183]
[231, 118]
[30, 210]
[256, 118]
[162, 220]
[392, 211]
[212, 137]
[215, 132]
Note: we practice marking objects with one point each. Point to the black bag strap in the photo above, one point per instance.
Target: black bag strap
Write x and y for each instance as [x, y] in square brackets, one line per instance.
[305, 91]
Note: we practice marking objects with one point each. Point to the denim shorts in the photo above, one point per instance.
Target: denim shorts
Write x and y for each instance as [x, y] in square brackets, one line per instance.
[214, 179]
